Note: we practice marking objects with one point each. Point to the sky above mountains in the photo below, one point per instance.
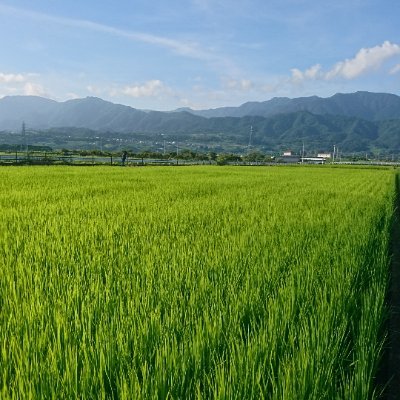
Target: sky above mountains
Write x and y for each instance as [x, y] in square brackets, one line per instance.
[164, 55]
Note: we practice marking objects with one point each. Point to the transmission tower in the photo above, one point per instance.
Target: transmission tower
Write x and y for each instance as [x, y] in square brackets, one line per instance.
[251, 135]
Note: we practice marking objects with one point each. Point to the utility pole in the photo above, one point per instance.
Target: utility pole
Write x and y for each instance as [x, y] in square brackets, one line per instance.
[24, 138]
[333, 157]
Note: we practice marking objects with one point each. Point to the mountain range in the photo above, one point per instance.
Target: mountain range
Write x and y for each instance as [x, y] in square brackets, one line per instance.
[356, 122]
[366, 105]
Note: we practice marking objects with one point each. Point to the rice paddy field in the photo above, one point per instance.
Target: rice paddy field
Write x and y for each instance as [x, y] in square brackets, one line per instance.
[193, 282]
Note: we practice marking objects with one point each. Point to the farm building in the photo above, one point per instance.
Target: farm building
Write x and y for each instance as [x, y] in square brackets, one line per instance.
[313, 160]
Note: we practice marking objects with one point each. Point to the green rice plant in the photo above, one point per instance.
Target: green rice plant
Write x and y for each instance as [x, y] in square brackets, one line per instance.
[193, 283]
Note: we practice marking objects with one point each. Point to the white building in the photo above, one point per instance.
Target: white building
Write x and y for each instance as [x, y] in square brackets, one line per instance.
[324, 155]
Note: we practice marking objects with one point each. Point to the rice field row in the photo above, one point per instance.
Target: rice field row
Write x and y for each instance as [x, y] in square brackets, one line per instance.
[192, 283]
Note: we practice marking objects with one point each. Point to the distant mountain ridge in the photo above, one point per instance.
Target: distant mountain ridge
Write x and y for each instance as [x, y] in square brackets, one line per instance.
[41, 113]
[98, 114]
[366, 105]
[356, 122]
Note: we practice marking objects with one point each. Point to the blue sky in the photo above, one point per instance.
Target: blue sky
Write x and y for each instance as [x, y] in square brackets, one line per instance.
[163, 55]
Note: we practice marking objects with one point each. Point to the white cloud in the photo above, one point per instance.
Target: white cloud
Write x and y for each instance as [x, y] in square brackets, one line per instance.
[366, 60]
[34, 89]
[313, 72]
[17, 83]
[152, 88]
[11, 78]
[239, 84]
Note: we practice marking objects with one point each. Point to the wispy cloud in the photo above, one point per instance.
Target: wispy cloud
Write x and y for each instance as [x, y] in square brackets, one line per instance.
[366, 60]
[183, 48]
